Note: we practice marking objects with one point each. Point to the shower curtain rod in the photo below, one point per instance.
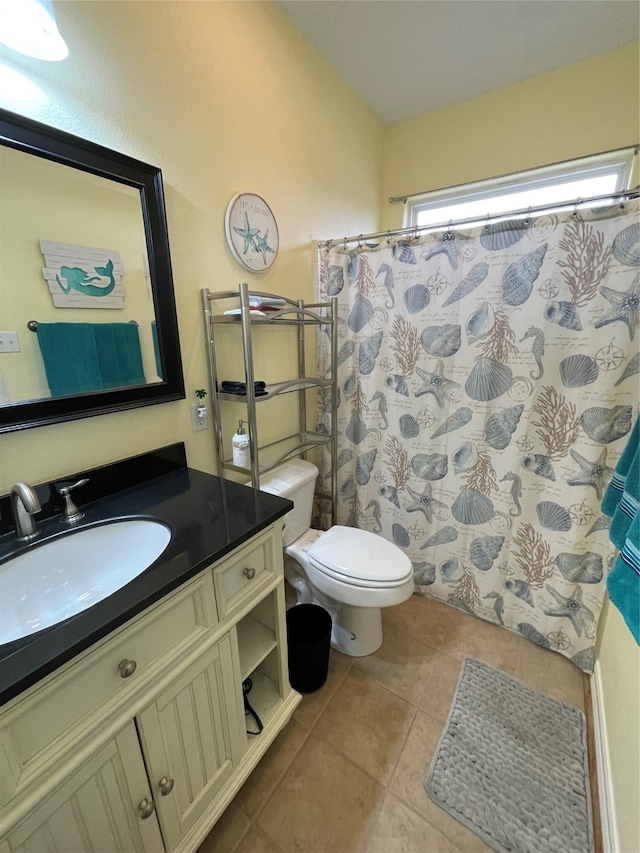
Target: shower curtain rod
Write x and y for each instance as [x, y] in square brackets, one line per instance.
[416, 230]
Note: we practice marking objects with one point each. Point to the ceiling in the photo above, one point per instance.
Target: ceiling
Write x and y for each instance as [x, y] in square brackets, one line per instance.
[405, 58]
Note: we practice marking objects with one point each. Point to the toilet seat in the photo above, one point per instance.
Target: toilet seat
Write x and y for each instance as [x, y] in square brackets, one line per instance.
[349, 581]
[360, 558]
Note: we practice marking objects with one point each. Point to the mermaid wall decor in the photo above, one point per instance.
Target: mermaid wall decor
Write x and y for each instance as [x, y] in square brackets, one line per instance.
[83, 276]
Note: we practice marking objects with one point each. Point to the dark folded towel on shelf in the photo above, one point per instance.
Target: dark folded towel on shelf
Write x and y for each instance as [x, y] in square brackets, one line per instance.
[240, 388]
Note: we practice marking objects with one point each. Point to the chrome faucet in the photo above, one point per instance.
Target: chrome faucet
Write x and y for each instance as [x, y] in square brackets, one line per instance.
[24, 505]
[70, 512]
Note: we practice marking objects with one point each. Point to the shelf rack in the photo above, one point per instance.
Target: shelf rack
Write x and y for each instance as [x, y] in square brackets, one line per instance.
[301, 315]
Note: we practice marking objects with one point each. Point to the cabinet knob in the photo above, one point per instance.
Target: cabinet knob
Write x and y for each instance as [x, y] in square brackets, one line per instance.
[166, 786]
[146, 808]
[249, 573]
[127, 668]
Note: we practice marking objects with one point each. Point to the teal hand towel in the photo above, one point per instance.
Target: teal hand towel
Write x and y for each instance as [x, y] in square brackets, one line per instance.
[624, 468]
[623, 581]
[119, 355]
[70, 358]
[622, 497]
[622, 502]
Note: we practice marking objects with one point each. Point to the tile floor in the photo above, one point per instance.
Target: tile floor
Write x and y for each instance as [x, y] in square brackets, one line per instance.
[346, 774]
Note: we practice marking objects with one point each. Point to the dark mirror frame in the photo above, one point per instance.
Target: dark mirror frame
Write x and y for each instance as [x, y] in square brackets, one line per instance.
[29, 136]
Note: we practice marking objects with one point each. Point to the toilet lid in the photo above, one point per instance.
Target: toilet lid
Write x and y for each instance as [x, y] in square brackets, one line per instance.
[360, 556]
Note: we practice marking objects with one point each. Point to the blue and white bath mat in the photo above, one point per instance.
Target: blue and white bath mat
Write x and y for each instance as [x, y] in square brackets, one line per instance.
[511, 765]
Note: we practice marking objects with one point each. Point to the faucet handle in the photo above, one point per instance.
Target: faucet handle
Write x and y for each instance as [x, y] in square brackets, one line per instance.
[63, 491]
[70, 512]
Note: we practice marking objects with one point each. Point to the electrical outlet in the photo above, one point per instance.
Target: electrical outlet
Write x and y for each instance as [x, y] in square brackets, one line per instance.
[9, 342]
[198, 423]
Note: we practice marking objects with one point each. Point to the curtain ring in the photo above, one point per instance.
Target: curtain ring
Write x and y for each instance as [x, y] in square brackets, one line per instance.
[449, 234]
[359, 241]
[487, 221]
[344, 244]
[527, 219]
[574, 215]
[388, 237]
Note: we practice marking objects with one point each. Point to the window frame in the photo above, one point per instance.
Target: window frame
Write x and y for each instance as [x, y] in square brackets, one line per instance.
[618, 162]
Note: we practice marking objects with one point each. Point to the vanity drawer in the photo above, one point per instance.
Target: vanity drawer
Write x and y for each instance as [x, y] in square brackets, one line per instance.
[245, 573]
[55, 716]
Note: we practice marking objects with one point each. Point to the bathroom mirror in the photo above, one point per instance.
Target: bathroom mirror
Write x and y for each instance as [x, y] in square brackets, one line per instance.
[87, 310]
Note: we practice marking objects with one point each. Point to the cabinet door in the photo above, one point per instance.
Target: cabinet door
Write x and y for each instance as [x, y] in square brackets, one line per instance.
[97, 809]
[191, 740]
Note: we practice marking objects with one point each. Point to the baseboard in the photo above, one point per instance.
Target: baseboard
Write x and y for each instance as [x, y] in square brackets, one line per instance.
[603, 765]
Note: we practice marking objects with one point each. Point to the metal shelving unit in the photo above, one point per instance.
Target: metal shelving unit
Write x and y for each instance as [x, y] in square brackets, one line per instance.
[266, 456]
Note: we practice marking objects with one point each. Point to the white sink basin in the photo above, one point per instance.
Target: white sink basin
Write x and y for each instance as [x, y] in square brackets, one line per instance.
[63, 576]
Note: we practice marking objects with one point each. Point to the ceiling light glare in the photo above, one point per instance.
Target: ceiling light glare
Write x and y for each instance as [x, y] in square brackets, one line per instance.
[29, 27]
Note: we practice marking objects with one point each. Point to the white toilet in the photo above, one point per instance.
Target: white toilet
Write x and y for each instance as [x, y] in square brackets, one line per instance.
[351, 573]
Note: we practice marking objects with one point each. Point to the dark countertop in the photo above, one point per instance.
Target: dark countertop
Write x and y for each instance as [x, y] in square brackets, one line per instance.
[208, 517]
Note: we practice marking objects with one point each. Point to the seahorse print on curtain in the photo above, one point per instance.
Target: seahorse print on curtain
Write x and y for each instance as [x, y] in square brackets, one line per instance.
[488, 378]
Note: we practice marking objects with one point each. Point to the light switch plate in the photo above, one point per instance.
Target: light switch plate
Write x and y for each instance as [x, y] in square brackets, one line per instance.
[9, 342]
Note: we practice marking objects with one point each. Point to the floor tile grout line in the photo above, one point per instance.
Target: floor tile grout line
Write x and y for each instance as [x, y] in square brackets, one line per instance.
[273, 841]
[404, 743]
[435, 652]
[380, 805]
[384, 789]
[400, 695]
[351, 761]
[407, 804]
[415, 708]
[243, 835]
[328, 700]
[280, 777]
[254, 827]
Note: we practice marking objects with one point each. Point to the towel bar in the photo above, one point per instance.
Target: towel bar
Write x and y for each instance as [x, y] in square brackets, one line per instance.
[32, 325]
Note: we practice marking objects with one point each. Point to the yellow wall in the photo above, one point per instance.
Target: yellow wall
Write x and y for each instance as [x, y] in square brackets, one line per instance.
[579, 110]
[225, 98]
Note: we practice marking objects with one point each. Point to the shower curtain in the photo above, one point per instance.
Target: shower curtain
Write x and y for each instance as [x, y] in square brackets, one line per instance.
[487, 380]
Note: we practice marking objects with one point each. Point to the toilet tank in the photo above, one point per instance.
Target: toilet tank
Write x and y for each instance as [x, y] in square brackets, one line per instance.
[294, 480]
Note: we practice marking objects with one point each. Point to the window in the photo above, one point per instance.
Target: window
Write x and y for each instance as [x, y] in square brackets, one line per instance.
[585, 178]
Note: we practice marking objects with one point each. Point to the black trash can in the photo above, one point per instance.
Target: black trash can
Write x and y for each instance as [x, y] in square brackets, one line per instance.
[309, 640]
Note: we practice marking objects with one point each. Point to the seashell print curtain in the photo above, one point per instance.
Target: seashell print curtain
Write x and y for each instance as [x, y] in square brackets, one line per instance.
[488, 378]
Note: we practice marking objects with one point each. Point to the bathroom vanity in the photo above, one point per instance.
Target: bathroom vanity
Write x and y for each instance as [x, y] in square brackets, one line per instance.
[123, 728]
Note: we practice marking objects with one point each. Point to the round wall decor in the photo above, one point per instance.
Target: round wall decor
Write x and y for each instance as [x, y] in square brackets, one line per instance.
[251, 231]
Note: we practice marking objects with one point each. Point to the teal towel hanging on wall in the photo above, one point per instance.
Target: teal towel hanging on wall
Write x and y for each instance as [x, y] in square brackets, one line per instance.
[119, 356]
[87, 357]
[70, 358]
[622, 502]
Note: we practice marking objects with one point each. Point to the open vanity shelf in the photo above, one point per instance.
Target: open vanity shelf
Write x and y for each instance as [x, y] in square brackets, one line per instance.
[258, 644]
[255, 642]
[245, 326]
[260, 656]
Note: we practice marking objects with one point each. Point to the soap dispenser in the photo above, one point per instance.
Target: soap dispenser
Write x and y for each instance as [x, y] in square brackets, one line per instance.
[240, 445]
